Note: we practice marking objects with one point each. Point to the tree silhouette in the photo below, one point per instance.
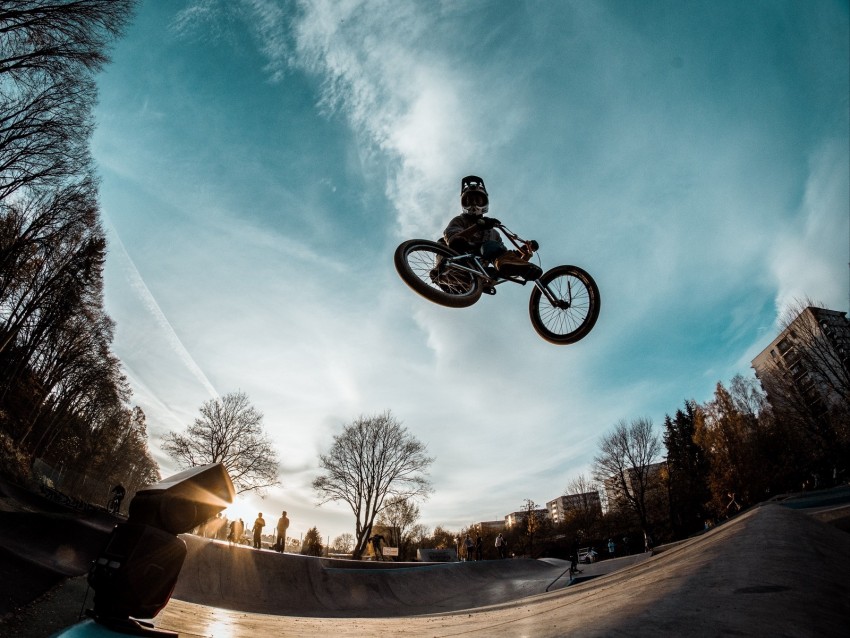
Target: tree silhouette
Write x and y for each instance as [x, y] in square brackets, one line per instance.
[312, 545]
[373, 460]
[687, 471]
[623, 466]
[229, 431]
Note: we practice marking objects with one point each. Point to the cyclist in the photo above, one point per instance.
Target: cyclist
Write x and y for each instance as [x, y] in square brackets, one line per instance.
[116, 495]
[472, 232]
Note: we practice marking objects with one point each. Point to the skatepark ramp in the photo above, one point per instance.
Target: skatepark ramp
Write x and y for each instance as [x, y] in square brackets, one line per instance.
[239, 578]
[771, 571]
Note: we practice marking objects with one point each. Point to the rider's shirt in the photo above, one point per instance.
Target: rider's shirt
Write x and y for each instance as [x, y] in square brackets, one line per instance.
[464, 221]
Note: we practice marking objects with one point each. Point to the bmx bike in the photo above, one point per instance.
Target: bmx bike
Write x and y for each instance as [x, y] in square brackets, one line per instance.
[564, 303]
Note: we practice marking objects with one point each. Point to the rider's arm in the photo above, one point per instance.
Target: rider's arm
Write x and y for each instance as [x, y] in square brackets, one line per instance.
[457, 228]
[460, 229]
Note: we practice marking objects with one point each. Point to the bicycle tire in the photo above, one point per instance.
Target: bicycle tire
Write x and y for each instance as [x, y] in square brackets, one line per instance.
[416, 260]
[563, 326]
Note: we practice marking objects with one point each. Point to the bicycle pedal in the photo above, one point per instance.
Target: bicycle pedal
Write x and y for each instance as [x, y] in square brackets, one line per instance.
[489, 290]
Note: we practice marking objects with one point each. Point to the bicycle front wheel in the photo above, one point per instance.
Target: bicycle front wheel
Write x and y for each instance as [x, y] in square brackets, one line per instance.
[574, 311]
[419, 263]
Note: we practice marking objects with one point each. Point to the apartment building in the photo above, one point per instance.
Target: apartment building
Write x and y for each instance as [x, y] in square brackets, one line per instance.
[614, 491]
[559, 507]
[517, 518]
[814, 352]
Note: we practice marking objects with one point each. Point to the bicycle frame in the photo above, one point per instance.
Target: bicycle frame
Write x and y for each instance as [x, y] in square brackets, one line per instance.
[492, 279]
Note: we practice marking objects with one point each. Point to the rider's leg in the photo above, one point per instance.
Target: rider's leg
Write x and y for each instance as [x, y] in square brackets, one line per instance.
[490, 250]
[510, 264]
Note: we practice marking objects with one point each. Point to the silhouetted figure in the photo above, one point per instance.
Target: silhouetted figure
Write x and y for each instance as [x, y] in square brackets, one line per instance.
[500, 545]
[116, 495]
[574, 560]
[282, 526]
[470, 547]
[376, 541]
[259, 524]
[479, 548]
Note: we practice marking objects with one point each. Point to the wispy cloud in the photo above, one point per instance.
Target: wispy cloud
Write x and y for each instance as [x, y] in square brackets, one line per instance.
[405, 101]
[137, 283]
[808, 253]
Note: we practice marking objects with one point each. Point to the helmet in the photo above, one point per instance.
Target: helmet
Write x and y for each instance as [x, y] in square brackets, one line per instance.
[473, 196]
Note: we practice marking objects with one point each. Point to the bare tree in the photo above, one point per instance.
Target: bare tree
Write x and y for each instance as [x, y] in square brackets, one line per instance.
[399, 516]
[583, 489]
[373, 460]
[585, 511]
[533, 523]
[624, 466]
[229, 431]
[49, 51]
[48, 36]
[343, 543]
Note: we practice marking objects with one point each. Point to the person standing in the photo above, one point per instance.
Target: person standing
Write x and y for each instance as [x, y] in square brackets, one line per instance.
[376, 541]
[574, 560]
[282, 526]
[470, 547]
[500, 545]
[479, 547]
[612, 548]
[259, 524]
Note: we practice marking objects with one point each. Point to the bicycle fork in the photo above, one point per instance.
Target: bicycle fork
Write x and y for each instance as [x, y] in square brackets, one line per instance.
[557, 302]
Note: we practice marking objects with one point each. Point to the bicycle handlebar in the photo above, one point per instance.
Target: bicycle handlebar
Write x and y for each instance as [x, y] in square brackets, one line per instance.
[523, 245]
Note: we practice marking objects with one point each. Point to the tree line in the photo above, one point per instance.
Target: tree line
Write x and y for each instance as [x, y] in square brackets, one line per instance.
[63, 397]
[785, 432]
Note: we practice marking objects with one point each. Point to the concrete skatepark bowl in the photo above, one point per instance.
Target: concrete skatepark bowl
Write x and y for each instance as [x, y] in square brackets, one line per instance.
[771, 571]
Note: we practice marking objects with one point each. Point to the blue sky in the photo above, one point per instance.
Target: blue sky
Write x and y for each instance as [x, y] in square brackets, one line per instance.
[260, 161]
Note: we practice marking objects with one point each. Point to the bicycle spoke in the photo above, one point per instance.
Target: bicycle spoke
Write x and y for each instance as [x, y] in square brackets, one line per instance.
[424, 262]
[565, 320]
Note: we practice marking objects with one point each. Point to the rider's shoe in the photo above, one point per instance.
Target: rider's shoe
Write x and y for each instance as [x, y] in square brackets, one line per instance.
[534, 272]
[510, 264]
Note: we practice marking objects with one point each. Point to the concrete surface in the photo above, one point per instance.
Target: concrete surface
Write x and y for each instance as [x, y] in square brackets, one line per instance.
[772, 571]
[245, 579]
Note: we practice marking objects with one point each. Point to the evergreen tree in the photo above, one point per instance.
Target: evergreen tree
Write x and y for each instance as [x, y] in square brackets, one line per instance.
[312, 545]
[687, 469]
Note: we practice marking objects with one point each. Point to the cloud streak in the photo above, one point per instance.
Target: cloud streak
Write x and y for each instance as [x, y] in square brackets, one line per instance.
[143, 293]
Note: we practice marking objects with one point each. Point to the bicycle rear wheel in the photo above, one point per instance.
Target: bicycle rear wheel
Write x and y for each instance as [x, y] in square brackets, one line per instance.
[419, 264]
[576, 306]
